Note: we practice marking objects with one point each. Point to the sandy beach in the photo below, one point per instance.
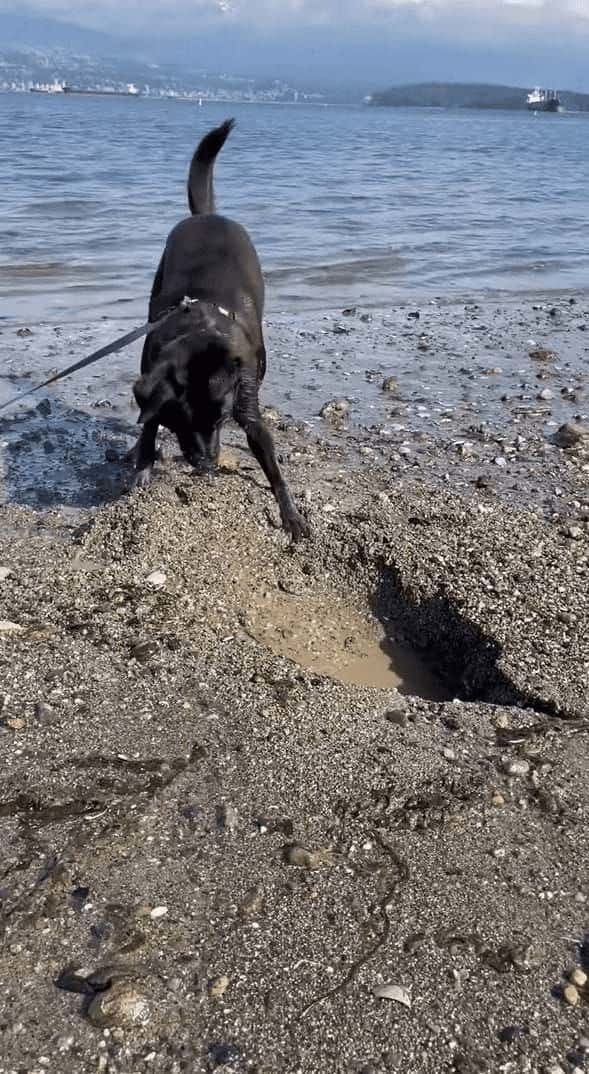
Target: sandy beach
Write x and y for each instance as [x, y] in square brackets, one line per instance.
[246, 785]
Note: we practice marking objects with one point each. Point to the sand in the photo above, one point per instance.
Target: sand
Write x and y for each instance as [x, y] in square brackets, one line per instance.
[217, 847]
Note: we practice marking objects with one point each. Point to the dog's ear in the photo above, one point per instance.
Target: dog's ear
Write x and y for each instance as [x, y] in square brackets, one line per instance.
[152, 391]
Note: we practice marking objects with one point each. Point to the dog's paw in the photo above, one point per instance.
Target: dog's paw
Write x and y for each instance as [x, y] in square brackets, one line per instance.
[142, 479]
[295, 525]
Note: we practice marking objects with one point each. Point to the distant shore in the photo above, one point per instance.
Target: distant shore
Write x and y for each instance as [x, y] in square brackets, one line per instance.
[469, 96]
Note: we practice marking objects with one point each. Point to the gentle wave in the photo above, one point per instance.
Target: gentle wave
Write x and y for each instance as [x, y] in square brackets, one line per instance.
[343, 204]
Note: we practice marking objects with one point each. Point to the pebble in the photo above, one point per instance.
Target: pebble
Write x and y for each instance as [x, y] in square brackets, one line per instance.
[398, 717]
[498, 801]
[500, 461]
[578, 977]
[253, 902]
[227, 817]
[546, 395]
[121, 1005]
[5, 573]
[396, 993]
[390, 385]
[218, 986]
[540, 354]
[575, 533]
[449, 754]
[157, 579]
[158, 912]
[44, 713]
[295, 854]
[8, 629]
[571, 996]
[335, 410]
[517, 767]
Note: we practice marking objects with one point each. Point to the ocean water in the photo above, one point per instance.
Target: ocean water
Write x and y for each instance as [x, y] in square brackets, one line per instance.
[346, 205]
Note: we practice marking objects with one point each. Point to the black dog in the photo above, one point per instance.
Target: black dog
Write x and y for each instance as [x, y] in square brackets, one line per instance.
[207, 361]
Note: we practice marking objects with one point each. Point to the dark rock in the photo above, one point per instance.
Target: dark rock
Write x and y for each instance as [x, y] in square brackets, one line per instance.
[144, 651]
[511, 1034]
[23, 332]
[223, 1055]
[44, 408]
[191, 813]
[414, 942]
[542, 354]
[569, 435]
[397, 714]
[78, 897]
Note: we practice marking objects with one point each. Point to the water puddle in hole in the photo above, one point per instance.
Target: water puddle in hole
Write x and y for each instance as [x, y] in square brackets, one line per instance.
[330, 637]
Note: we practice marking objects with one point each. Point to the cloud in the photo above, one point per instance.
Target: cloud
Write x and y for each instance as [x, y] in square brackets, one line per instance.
[263, 14]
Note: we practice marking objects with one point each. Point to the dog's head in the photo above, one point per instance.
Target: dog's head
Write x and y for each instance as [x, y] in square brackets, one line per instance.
[191, 391]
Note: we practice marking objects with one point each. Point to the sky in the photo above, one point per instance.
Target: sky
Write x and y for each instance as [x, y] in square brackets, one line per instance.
[375, 42]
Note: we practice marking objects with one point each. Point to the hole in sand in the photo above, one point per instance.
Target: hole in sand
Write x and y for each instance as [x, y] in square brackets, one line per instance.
[331, 637]
[432, 626]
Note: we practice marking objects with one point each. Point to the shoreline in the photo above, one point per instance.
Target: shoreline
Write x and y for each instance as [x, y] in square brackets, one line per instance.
[450, 391]
[231, 851]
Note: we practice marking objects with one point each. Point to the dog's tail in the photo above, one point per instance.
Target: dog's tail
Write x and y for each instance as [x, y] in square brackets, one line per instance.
[201, 198]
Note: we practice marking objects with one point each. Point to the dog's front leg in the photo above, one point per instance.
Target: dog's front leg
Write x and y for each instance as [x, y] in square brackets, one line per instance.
[145, 454]
[247, 414]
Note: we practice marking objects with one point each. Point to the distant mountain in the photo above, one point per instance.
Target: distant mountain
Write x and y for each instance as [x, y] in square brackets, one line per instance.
[33, 31]
[40, 49]
[467, 95]
[40, 52]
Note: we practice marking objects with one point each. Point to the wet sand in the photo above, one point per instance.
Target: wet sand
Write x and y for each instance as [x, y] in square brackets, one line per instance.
[218, 850]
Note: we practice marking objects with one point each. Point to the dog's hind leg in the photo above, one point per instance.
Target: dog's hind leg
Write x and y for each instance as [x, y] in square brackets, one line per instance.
[145, 454]
[247, 413]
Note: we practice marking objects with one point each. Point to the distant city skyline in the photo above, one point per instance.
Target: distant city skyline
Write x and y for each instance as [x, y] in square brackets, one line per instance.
[369, 44]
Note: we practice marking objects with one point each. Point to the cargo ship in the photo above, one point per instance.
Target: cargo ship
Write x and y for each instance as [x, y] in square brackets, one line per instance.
[62, 87]
[54, 87]
[130, 91]
[543, 100]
